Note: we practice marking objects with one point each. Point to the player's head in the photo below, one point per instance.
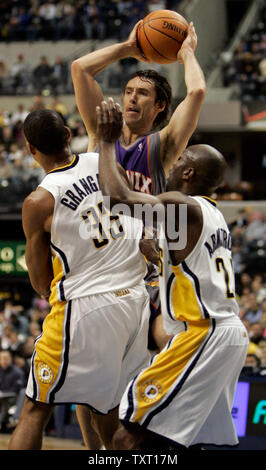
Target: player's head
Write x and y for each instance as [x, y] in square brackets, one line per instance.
[159, 91]
[199, 170]
[46, 133]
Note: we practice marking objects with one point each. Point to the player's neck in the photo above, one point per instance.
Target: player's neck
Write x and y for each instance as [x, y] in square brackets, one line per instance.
[52, 162]
[130, 136]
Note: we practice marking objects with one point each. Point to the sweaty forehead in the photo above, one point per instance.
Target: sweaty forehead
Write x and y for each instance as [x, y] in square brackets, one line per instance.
[140, 82]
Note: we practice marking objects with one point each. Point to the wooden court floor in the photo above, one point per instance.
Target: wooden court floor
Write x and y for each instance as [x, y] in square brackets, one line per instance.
[49, 443]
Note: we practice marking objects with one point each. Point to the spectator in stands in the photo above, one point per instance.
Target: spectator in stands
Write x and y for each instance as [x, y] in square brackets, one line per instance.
[256, 227]
[42, 75]
[19, 22]
[59, 78]
[19, 115]
[6, 137]
[94, 24]
[256, 333]
[63, 9]
[15, 153]
[4, 120]
[156, 5]
[58, 106]
[19, 177]
[252, 365]
[15, 340]
[263, 313]
[258, 288]
[79, 142]
[245, 280]
[253, 311]
[20, 323]
[34, 329]
[5, 167]
[74, 119]
[47, 14]
[38, 102]
[32, 168]
[262, 347]
[12, 380]
[4, 73]
[67, 24]
[18, 134]
[19, 73]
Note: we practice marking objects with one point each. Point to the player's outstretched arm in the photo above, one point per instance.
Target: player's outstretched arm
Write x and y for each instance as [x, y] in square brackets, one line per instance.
[36, 212]
[112, 183]
[175, 136]
[88, 93]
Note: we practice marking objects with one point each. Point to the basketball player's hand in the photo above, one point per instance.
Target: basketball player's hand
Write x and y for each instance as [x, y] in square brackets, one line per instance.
[190, 43]
[133, 44]
[109, 121]
[148, 249]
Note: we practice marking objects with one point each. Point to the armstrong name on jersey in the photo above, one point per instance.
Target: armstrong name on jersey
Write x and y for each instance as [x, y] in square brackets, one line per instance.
[79, 190]
[220, 238]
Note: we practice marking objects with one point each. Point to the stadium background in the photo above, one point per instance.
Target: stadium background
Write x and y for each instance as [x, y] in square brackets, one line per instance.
[38, 41]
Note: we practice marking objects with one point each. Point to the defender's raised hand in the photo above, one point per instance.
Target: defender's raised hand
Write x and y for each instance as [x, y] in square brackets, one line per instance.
[109, 121]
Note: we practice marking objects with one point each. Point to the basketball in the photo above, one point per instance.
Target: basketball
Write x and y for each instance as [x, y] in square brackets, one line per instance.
[161, 35]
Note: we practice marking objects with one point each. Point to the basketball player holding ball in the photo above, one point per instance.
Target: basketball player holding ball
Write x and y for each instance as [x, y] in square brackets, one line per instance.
[146, 150]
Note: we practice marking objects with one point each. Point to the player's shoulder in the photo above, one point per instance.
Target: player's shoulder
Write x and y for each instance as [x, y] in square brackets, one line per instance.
[178, 199]
[38, 200]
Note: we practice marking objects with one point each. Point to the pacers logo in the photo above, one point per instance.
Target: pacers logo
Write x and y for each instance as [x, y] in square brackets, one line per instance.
[150, 391]
[45, 373]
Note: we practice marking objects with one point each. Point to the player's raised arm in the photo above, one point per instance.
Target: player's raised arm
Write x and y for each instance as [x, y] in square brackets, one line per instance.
[175, 136]
[35, 217]
[88, 93]
[110, 122]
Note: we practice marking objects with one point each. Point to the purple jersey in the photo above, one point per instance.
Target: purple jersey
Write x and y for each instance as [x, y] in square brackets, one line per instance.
[143, 164]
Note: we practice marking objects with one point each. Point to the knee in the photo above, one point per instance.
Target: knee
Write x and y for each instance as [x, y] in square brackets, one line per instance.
[34, 411]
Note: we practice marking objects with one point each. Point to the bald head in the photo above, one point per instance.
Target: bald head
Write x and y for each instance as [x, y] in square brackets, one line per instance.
[200, 169]
[209, 165]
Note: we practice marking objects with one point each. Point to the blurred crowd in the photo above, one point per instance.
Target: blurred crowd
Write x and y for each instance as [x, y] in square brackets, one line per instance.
[19, 328]
[246, 66]
[19, 173]
[248, 230]
[31, 20]
[21, 78]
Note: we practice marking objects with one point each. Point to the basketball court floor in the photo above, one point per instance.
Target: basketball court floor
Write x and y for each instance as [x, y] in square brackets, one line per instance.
[49, 443]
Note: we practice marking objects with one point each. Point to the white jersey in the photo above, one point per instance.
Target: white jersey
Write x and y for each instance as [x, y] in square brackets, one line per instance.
[93, 250]
[203, 285]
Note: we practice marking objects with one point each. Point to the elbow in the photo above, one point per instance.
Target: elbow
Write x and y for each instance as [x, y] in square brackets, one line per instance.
[76, 67]
[199, 92]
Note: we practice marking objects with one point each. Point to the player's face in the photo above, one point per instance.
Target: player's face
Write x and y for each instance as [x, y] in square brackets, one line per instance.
[139, 103]
[175, 178]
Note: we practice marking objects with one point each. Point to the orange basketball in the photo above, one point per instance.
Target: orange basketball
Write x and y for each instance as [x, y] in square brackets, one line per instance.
[161, 35]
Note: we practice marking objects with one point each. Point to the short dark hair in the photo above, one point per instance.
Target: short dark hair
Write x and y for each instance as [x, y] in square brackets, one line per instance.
[45, 130]
[163, 92]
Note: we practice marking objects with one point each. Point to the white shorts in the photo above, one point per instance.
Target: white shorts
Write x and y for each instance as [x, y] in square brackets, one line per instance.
[186, 394]
[90, 349]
